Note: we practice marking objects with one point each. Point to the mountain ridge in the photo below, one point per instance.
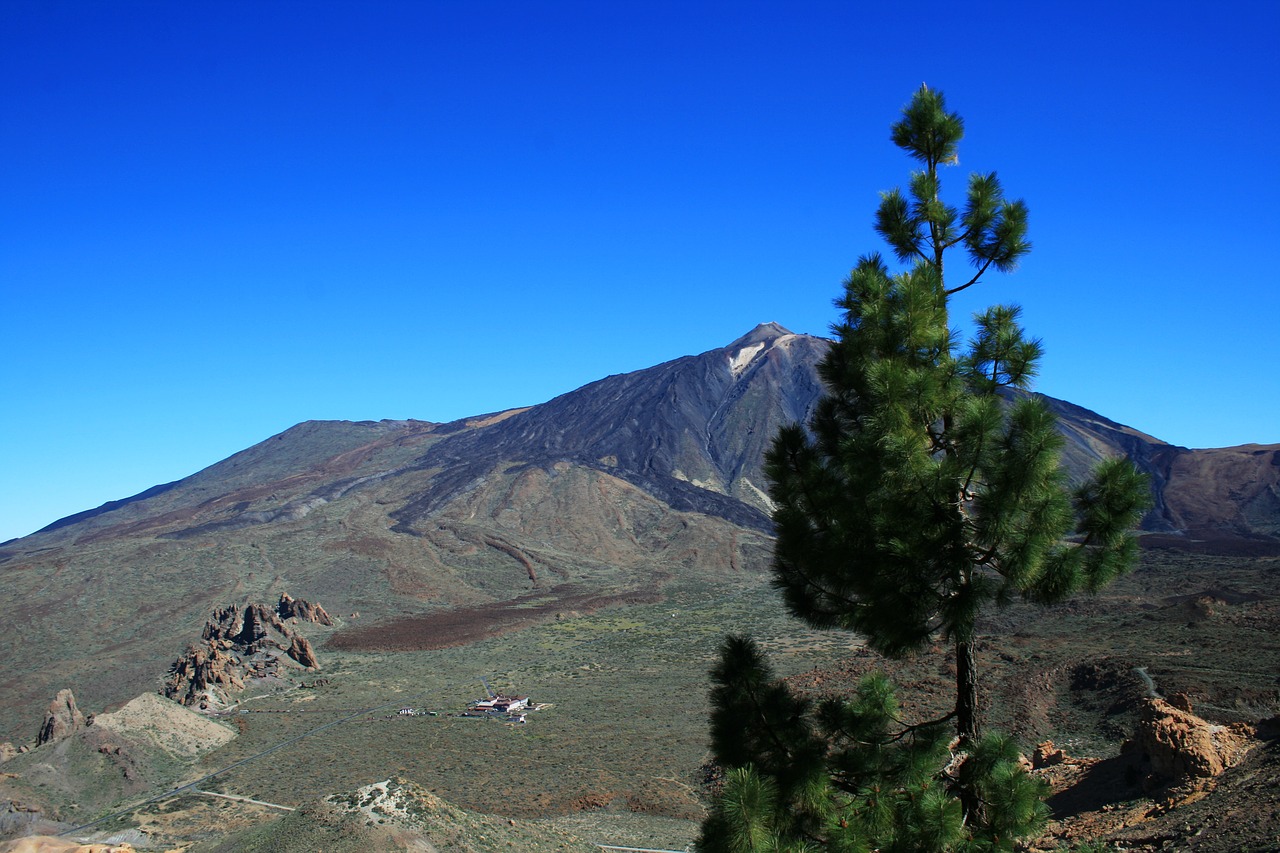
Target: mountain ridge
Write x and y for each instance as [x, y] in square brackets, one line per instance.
[604, 492]
[644, 460]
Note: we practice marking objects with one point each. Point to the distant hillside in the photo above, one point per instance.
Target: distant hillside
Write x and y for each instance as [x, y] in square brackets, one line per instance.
[608, 490]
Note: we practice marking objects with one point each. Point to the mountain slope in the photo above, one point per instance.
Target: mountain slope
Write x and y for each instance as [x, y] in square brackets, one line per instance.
[607, 490]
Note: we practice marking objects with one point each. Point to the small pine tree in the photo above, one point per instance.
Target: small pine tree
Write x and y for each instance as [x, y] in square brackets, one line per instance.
[847, 775]
[926, 488]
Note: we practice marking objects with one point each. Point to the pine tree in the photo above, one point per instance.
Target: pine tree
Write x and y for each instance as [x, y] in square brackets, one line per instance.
[925, 489]
[847, 774]
[918, 497]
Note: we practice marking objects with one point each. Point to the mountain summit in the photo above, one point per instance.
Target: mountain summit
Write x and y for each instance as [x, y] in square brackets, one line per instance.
[761, 334]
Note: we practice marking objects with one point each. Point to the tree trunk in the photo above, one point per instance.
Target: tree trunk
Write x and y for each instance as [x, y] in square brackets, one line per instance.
[967, 725]
[966, 691]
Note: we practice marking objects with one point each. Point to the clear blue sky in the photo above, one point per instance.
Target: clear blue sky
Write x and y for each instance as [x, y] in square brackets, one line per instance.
[220, 219]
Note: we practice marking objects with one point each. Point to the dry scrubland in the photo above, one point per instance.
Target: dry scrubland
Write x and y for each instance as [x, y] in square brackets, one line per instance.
[620, 756]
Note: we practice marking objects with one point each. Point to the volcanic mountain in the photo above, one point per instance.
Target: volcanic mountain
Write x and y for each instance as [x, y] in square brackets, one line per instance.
[594, 497]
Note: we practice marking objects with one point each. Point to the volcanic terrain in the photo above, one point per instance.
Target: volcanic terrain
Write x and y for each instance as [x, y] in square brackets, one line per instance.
[589, 551]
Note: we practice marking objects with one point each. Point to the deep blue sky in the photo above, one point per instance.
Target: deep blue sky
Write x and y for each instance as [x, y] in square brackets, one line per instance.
[220, 219]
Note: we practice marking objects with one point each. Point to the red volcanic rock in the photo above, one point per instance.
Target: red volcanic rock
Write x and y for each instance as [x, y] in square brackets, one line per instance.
[290, 607]
[239, 643]
[248, 630]
[1183, 747]
[199, 670]
[1047, 755]
[301, 651]
[62, 718]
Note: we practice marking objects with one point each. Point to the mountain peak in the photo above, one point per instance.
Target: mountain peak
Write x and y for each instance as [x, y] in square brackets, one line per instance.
[763, 333]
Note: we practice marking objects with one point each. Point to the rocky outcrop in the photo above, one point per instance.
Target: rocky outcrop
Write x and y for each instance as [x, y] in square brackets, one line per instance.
[296, 608]
[1047, 755]
[241, 643]
[301, 651]
[1181, 747]
[62, 718]
[246, 629]
[202, 670]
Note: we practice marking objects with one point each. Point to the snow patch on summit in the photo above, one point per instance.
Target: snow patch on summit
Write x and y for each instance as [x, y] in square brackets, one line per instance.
[738, 361]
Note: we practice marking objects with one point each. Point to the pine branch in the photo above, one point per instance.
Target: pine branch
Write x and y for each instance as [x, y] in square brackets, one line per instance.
[852, 604]
[912, 729]
[971, 282]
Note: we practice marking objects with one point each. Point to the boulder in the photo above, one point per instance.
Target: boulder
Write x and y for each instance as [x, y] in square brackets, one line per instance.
[1047, 755]
[1182, 747]
[301, 651]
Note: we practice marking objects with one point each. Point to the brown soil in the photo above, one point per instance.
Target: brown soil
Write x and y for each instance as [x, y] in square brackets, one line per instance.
[465, 625]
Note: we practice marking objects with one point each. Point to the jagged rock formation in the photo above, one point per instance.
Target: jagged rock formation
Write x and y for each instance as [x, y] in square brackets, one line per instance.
[1181, 747]
[62, 718]
[296, 608]
[239, 644]
[247, 630]
[200, 671]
